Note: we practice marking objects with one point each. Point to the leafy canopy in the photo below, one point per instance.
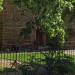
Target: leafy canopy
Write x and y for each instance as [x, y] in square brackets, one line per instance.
[49, 16]
[1, 5]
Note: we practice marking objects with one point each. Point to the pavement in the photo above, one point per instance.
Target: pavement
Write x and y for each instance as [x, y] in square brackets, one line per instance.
[70, 52]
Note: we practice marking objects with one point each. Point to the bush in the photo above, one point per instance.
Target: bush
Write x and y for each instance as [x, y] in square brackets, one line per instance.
[26, 70]
[54, 63]
[58, 63]
[58, 39]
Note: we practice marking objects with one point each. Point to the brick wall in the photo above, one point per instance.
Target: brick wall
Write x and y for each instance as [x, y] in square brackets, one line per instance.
[14, 20]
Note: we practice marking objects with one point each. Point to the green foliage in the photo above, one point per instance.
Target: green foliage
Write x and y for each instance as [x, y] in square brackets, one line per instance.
[58, 63]
[1, 5]
[57, 39]
[49, 15]
[54, 63]
[26, 70]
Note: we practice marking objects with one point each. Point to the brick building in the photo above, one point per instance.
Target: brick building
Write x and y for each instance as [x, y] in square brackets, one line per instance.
[13, 19]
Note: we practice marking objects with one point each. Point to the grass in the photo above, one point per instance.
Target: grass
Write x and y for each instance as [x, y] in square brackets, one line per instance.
[23, 57]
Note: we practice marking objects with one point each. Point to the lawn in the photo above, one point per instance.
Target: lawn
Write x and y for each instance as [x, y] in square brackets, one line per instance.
[23, 56]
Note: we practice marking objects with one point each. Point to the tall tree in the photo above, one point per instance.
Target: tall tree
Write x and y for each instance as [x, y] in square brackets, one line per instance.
[49, 16]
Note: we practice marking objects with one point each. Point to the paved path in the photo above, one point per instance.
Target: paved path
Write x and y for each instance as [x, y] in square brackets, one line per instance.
[7, 63]
[70, 52]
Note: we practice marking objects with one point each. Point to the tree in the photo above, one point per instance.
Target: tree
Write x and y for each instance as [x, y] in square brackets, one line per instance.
[1, 5]
[49, 16]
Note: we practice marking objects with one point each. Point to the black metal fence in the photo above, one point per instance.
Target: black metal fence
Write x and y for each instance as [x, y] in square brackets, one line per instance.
[41, 62]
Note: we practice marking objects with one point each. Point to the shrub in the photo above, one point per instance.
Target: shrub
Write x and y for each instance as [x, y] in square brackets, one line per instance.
[58, 63]
[54, 63]
[26, 70]
[57, 40]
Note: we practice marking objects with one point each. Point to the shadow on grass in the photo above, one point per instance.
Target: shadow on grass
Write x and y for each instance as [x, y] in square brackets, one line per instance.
[4, 70]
